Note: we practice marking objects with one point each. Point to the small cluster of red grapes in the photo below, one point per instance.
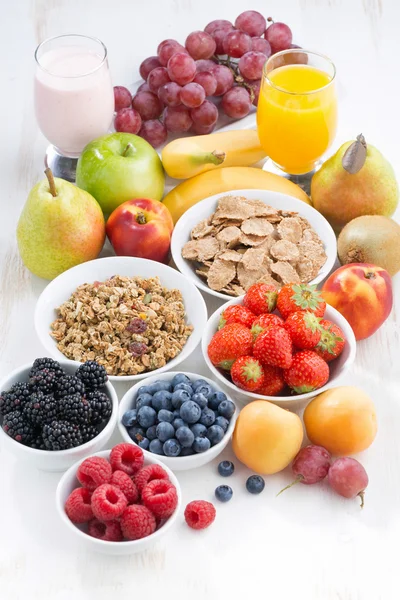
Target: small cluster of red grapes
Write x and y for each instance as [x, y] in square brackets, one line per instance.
[223, 61]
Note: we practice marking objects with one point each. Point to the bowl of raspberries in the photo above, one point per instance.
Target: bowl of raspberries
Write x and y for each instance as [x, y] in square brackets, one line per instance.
[54, 413]
[285, 346]
[184, 419]
[118, 501]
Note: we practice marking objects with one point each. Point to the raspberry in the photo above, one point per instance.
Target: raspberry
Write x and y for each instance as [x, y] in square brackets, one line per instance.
[126, 485]
[199, 514]
[160, 497]
[108, 502]
[94, 471]
[149, 473]
[109, 532]
[78, 507]
[127, 458]
[137, 522]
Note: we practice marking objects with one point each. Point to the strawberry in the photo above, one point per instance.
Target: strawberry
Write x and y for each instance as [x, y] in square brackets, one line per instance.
[304, 329]
[261, 298]
[263, 322]
[332, 341]
[307, 373]
[273, 381]
[293, 297]
[228, 344]
[274, 347]
[236, 314]
[247, 373]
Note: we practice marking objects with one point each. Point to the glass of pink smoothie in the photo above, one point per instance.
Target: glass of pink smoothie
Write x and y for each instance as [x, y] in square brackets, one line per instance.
[74, 98]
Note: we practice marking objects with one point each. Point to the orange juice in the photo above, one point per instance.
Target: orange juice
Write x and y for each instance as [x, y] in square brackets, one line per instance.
[296, 116]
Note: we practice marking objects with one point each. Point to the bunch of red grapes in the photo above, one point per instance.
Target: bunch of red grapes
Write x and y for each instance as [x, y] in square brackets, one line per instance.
[224, 61]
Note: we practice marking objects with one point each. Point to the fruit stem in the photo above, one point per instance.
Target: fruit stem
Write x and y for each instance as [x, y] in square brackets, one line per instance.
[128, 147]
[141, 219]
[362, 494]
[297, 480]
[270, 20]
[49, 174]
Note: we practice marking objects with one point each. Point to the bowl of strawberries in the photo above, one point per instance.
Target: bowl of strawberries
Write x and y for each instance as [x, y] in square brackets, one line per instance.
[284, 346]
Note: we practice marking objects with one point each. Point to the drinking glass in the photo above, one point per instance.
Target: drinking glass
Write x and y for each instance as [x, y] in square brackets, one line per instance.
[74, 98]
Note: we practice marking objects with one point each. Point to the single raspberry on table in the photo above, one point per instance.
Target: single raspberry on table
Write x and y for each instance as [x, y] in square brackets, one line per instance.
[126, 485]
[109, 531]
[236, 314]
[160, 497]
[108, 502]
[147, 474]
[94, 471]
[137, 522]
[78, 506]
[261, 298]
[126, 457]
[199, 514]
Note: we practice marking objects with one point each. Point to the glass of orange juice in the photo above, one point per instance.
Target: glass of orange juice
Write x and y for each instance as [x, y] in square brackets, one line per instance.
[297, 110]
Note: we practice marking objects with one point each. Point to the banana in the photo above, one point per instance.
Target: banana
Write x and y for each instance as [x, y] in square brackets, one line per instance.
[187, 157]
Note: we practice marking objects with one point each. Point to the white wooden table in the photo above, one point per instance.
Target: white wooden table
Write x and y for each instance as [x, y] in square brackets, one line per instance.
[305, 544]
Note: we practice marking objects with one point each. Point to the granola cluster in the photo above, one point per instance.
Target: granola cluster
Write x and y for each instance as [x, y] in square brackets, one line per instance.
[245, 241]
[129, 325]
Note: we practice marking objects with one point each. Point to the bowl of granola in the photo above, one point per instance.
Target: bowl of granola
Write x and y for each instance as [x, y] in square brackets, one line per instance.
[227, 242]
[135, 317]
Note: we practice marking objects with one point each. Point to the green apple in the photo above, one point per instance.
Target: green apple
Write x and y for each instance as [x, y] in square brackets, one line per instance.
[119, 167]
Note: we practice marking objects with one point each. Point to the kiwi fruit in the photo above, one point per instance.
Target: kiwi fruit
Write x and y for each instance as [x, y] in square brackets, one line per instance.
[371, 239]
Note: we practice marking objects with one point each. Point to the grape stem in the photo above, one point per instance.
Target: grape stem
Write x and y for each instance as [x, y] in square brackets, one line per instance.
[236, 75]
[297, 480]
[361, 494]
[50, 179]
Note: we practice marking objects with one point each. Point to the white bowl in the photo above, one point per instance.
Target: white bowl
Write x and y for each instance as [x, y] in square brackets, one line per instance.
[338, 367]
[61, 288]
[58, 460]
[178, 463]
[69, 482]
[203, 209]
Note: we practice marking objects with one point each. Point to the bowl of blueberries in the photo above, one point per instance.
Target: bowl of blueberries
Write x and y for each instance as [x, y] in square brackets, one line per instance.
[183, 418]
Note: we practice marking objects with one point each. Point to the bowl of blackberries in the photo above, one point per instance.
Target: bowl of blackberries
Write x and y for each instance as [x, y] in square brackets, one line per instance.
[184, 419]
[55, 413]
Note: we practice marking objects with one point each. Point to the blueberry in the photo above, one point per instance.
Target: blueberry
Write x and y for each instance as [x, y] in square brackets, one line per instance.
[226, 409]
[205, 389]
[184, 436]
[190, 411]
[226, 468]
[255, 484]
[151, 432]
[180, 378]
[207, 417]
[165, 431]
[200, 400]
[184, 386]
[197, 383]
[144, 443]
[222, 422]
[172, 447]
[201, 444]
[156, 447]
[136, 433]
[165, 415]
[147, 416]
[160, 385]
[143, 400]
[129, 418]
[215, 433]
[179, 397]
[223, 493]
[199, 430]
[162, 399]
[176, 413]
[179, 423]
[186, 452]
[215, 400]
[143, 390]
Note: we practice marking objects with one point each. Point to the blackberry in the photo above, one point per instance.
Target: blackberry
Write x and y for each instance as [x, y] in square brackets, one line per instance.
[75, 409]
[41, 408]
[43, 381]
[46, 363]
[37, 443]
[69, 384]
[100, 405]
[88, 432]
[17, 427]
[92, 374]
[14, 398]
[61, 435]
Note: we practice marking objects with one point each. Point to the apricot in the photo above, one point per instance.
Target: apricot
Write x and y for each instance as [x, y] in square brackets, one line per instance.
[342, 420]
[266, 437]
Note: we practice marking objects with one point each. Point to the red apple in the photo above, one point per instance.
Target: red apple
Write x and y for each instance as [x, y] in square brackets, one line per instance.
[362, 293]
[141, 227]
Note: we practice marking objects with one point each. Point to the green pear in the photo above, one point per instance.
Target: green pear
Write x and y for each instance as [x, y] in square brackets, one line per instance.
[60, 226]
[355, 181]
